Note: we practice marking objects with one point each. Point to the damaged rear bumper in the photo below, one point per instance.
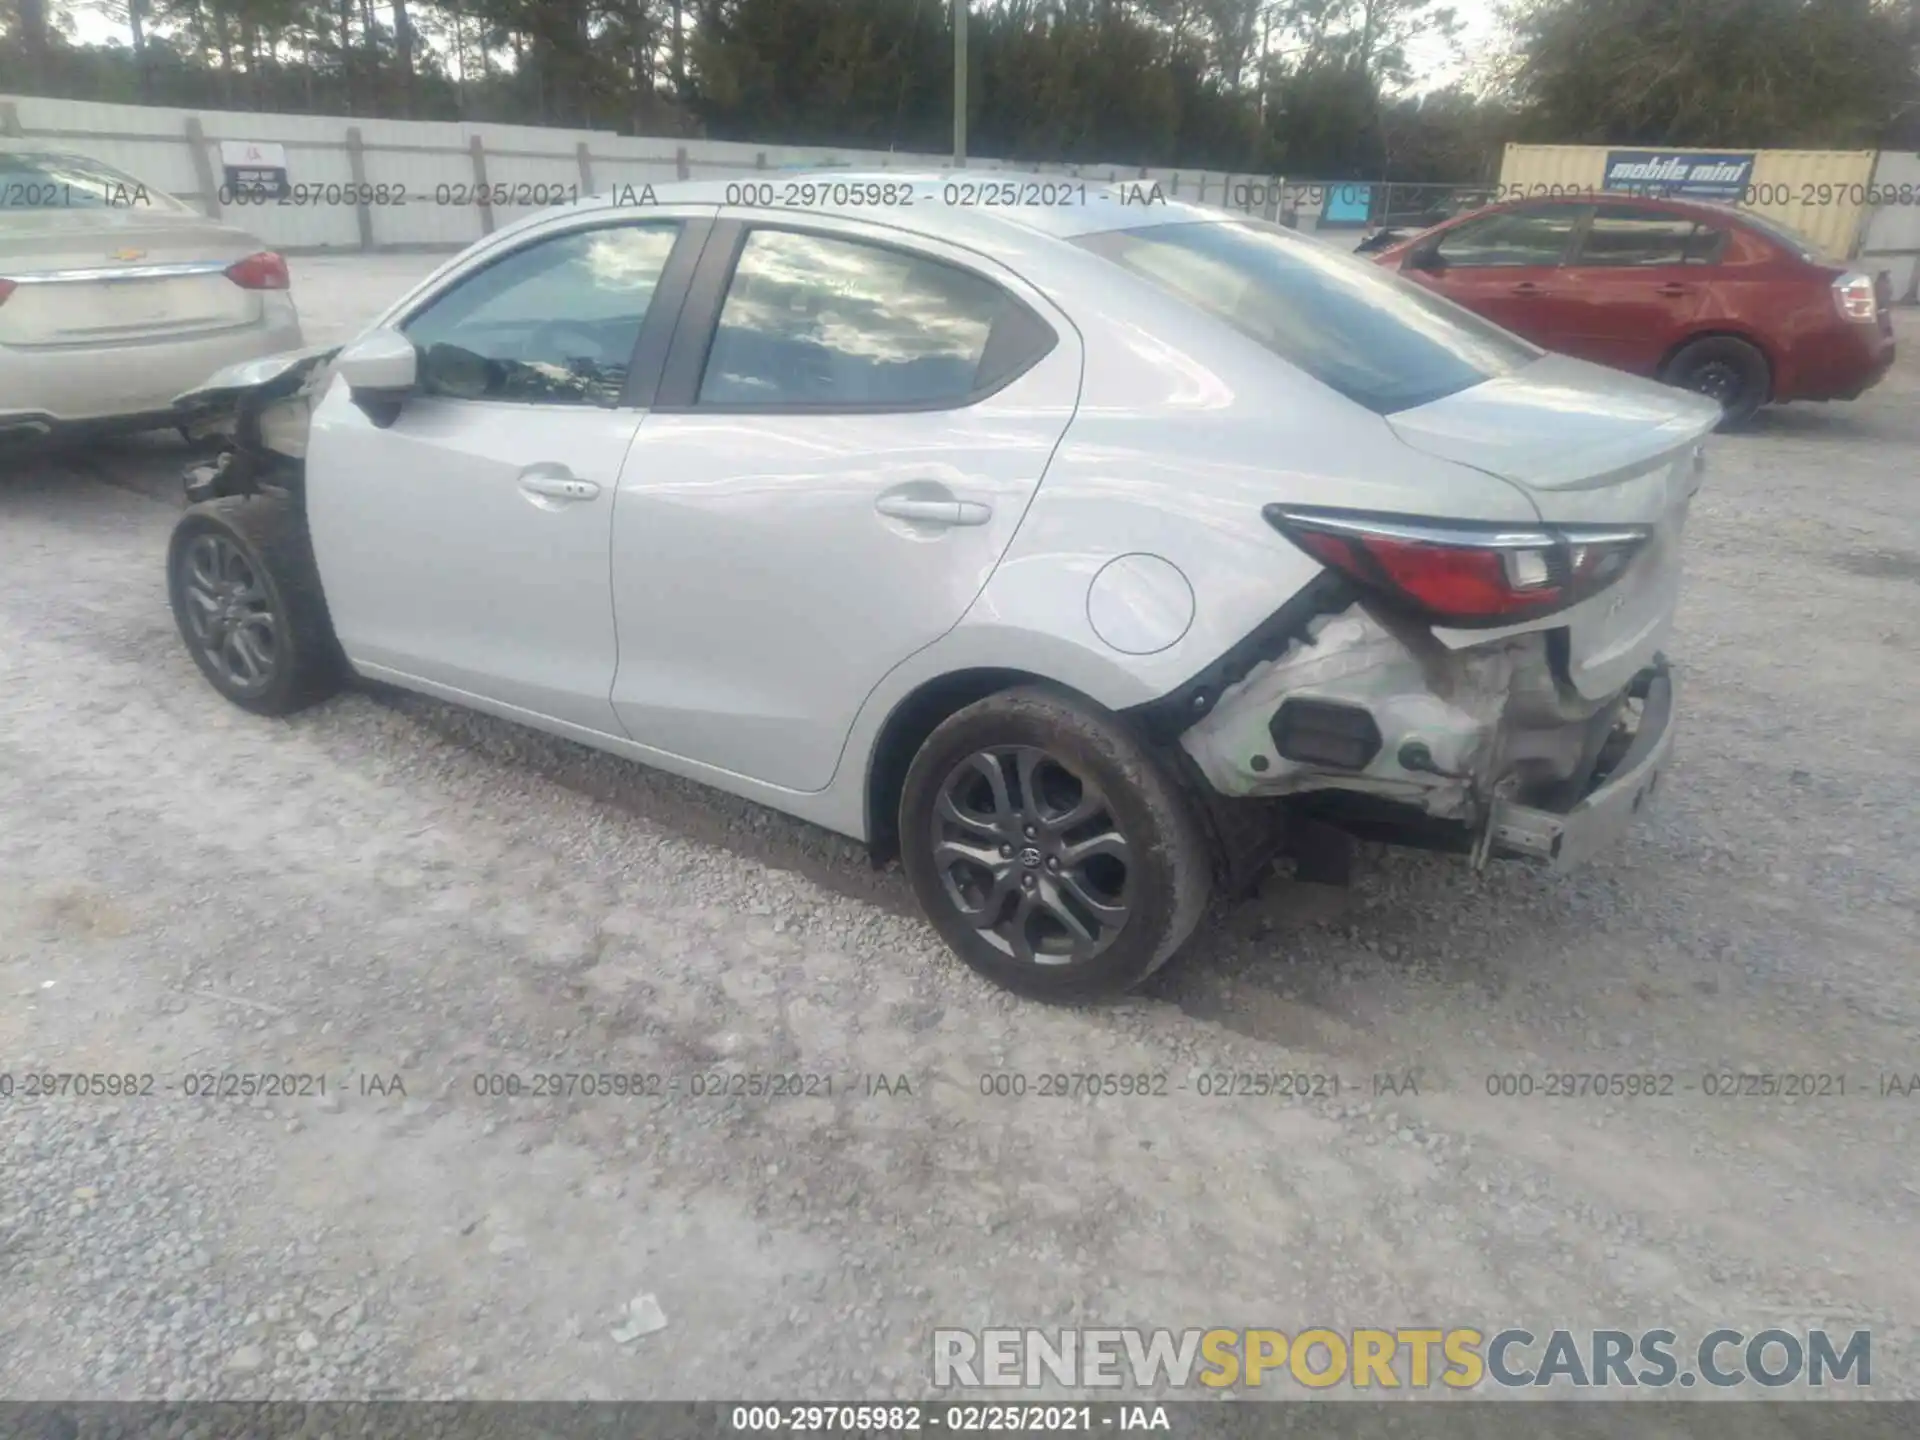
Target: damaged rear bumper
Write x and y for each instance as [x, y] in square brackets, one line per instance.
[1374, 726]
[1601, 819]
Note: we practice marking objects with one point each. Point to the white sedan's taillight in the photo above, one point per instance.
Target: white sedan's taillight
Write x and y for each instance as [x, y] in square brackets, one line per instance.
[1464, 574]
[265, 271]
[1854, 294]
[7, 287]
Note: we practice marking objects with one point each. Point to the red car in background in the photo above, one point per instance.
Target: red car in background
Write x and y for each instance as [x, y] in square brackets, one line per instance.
[1702, 296]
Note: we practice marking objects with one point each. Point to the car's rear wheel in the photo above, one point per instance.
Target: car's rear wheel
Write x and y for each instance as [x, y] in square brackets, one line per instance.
[246, 596]
[1725, 370]
[1049, 848]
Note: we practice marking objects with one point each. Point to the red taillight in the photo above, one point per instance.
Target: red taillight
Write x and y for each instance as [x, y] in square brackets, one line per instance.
[1857, 297]
[7, 287]
[1459, 580]
[1462, 574]
[265, 271]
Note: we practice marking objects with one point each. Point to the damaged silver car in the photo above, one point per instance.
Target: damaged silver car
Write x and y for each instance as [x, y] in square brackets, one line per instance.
[1084, 558]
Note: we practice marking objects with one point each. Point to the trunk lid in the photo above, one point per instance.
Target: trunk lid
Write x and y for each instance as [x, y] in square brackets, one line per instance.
[104, 276]
[1589, 447]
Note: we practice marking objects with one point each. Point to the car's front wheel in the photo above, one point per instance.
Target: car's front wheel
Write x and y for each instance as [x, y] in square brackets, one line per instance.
[1725, 369]
[246, 596]
[1052, 851]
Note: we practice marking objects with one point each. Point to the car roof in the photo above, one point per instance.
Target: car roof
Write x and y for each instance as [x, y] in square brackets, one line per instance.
[1679, 205]
[962, 205]
[27, 145]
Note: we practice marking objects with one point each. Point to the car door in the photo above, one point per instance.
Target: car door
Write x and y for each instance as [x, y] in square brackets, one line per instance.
[1637, 282]
[1504, 266]
[848, 433]
[467, 544]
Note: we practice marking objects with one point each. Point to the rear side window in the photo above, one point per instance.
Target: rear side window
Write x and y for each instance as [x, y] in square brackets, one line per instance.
[1512, 237]
[1359, 329]
[1627, 235]
[1706, 246]
[822, 322]
[1786, 235]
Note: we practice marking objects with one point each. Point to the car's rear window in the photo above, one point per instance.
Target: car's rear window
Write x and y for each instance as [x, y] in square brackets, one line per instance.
[1788, 236]
[40, 180]
[1359, 329]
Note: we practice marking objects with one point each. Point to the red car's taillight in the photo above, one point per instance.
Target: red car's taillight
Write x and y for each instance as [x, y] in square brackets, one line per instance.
[265, 271]
[1456, 573]
[1857, 297]
[7, 287]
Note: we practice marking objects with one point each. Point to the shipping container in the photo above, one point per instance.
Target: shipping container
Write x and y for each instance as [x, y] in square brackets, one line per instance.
[1891, 241]
[1823, 194]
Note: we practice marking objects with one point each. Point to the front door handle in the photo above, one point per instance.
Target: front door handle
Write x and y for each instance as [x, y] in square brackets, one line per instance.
[558, 487]
[1527, 287]
[1673, 288]
[934, 512]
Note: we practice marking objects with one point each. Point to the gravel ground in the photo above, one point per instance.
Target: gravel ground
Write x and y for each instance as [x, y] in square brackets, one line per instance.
[404, 897]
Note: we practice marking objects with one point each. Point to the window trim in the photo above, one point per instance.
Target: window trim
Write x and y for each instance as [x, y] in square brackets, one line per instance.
[645, 364]
[1582, 213]
[1577, 258]
[686, 366]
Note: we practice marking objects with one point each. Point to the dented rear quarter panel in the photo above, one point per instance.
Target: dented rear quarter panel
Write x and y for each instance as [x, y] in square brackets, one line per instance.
[1184, 432]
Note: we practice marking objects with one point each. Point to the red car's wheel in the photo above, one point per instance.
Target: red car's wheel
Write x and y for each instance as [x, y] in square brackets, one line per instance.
[1723, 369]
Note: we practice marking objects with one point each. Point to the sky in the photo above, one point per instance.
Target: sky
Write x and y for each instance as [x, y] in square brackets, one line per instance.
[1478, 30]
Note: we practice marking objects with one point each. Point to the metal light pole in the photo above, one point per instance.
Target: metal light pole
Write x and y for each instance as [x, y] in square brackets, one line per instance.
[960, 84]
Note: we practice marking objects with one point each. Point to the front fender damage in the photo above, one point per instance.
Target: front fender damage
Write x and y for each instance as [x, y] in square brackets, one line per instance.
[258, 414]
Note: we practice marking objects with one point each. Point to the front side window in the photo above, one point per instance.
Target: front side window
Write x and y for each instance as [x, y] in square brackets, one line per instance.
[553, 323]
[37, 180]
[1365, 332]
[1512, 237]
[821, 321]
[1629, 235]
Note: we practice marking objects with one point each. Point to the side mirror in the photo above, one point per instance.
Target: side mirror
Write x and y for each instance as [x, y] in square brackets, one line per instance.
[381, 369]
[1426, 257]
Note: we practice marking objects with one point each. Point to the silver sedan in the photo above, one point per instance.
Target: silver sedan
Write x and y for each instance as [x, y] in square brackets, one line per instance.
[1079, 551]
[115, 297]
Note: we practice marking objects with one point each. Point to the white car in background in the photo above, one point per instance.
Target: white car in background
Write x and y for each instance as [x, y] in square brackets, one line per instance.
[115, 297]
[1078, 553]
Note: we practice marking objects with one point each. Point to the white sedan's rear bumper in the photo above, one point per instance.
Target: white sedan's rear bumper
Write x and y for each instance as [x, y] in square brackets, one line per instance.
[1600, 820]
[46, 388]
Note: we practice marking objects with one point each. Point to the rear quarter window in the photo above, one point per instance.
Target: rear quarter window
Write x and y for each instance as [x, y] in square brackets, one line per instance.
[1788, 238]
[1379, 340]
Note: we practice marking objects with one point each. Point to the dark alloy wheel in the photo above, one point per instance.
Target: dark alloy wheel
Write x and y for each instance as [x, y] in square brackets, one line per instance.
[246, 596]
[1053, 852]
[1030, 855]
[1726, 370]
[229, 615]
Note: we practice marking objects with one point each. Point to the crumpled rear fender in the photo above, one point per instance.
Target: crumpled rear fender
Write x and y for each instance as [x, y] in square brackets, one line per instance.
[1452, 724]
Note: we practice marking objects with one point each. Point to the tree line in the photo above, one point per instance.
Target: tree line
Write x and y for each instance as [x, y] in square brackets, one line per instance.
[1323, 88]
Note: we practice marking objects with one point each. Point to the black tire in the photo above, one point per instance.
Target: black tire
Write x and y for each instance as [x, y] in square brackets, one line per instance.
[1063, 869]
[258, 609]
[1724, 369]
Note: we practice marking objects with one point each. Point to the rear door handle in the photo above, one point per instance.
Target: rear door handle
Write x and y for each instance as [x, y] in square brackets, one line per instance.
[1527, 287]
[1673, 287]
[934, 512]
[559, 487]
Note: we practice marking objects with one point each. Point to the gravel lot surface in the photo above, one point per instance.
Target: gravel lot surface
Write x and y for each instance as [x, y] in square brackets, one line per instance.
[405, 897]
